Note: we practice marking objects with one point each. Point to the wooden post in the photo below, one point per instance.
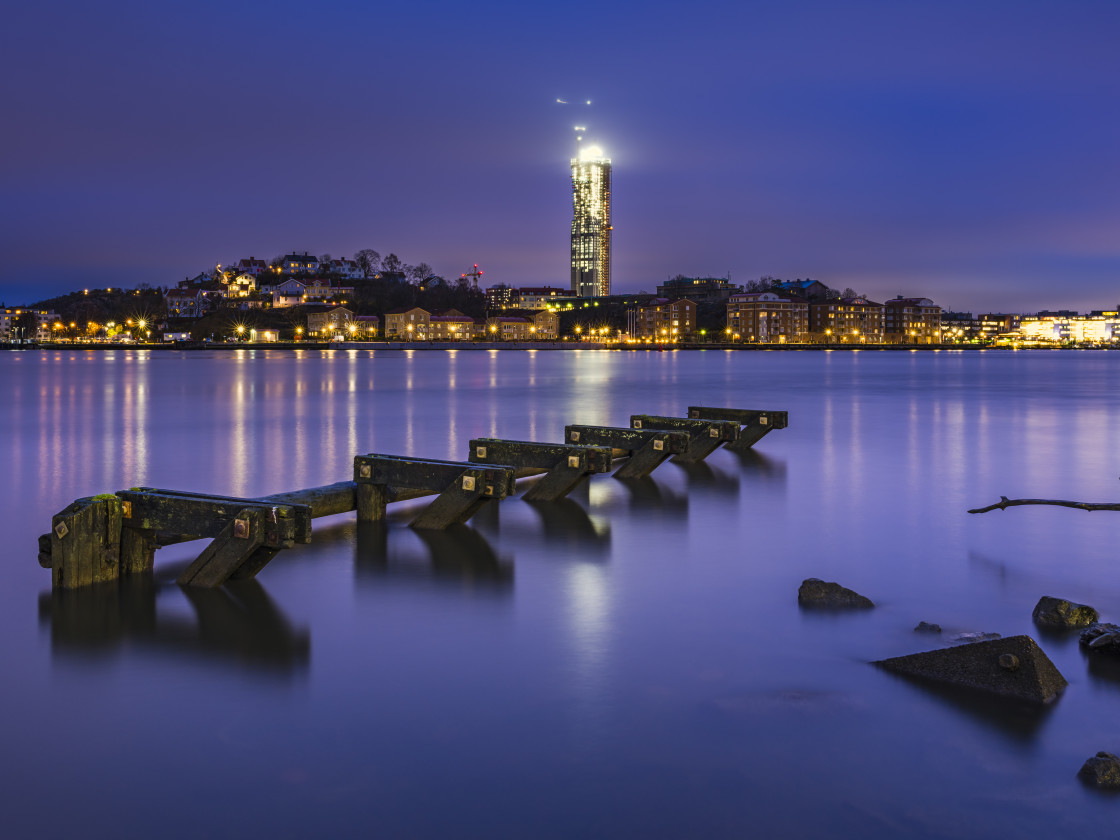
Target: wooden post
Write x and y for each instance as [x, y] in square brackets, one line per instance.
[85, 543]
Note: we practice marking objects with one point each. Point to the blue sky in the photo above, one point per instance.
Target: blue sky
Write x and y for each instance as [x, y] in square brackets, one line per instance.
[966, 151]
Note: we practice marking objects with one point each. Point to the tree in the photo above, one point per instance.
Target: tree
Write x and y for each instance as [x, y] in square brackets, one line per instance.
[419, 273]
[392, 265]
[849, 292]
[26, 327]
[368, 261]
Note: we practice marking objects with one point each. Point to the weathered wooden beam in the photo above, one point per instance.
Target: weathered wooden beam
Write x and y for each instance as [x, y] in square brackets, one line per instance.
[565, 465]
[202, 515]
[647, 448]
[327, 500]
[238, 540]
[462, 488]
[705, 435]
[755, 424]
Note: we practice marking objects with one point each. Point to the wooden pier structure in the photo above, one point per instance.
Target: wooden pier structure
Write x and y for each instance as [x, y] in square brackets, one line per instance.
[98, 539]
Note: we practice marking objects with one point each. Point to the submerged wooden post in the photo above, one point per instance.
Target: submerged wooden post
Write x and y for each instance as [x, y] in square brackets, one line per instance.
[705, 435]
[647, 448]
[84, 543]
[460, 488]
[755, 424]
[565, 466]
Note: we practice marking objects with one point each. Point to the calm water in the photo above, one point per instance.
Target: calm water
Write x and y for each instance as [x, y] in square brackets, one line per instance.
[630, 664]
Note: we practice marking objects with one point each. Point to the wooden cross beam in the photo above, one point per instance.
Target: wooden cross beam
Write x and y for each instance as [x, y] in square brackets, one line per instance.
[646, 448]
[565, 466]
[462, 488]
[245, 533]
[705, 435]
[755, 424]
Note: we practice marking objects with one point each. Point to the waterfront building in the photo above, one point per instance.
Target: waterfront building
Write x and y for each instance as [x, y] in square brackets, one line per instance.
[851, 320]
[520, 325]
[591, 223]
[959, 328]
[913, 320]
[699, 289]
[992, 325]
[11, 331]
[366, 326]
[408, 322]
[1092, 329]
[662, 319]
[451, 325]
[325, 321]
[767, 317]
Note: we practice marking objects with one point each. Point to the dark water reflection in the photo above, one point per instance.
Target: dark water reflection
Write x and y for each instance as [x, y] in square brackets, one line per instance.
[630, 662]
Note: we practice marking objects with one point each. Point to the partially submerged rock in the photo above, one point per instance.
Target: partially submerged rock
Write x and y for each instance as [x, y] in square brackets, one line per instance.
[972, 638]
[1012, 667]
[827, 595]
[1061, 614]
[1102, 637]
[926, 627]
[1102, 770]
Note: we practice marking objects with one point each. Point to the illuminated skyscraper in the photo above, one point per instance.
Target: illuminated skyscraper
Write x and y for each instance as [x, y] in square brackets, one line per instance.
[591, 223]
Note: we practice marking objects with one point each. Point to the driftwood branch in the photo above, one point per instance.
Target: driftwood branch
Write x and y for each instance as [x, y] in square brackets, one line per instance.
[1005, 503]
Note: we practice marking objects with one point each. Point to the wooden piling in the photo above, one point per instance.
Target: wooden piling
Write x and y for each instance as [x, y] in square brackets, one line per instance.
[705, 436]
[565, 466]
[647, 449]
[754, 424]
[460, 488]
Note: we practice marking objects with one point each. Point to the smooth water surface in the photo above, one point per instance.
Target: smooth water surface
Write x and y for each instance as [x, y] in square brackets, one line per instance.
[630, 663]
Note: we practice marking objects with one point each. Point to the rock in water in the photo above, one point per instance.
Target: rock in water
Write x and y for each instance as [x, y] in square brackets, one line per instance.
[1102, 637]
[1102, 770]
[927, 627]
[818, 593]
[1062, 614]
[979, 666]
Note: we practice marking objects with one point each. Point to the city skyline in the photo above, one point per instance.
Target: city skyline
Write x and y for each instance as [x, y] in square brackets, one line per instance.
[959, 152]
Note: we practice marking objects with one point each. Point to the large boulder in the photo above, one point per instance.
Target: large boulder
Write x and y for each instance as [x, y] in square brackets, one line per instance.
[1012, 667]
[1061, 614]
[831, 596]
[1102, 637]
[1102, 770]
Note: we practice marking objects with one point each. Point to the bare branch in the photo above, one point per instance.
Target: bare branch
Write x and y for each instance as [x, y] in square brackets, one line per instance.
[1004, 503]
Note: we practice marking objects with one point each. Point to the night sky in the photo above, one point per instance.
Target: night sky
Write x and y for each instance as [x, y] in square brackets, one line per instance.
[966, 151]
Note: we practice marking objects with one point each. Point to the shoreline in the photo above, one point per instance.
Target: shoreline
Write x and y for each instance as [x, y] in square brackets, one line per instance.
[192, 346]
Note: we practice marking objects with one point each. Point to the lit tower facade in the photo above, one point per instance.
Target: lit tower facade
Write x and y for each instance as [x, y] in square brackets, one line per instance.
[591, 223]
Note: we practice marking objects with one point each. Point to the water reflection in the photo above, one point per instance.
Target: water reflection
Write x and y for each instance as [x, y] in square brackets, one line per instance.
[1014, 719]
[762, 469]
[646, 495]
[459, 555]
[238, 624]
[702, 476]
[1103, 669]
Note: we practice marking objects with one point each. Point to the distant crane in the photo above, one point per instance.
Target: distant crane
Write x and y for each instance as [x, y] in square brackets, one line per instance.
[474, 275]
